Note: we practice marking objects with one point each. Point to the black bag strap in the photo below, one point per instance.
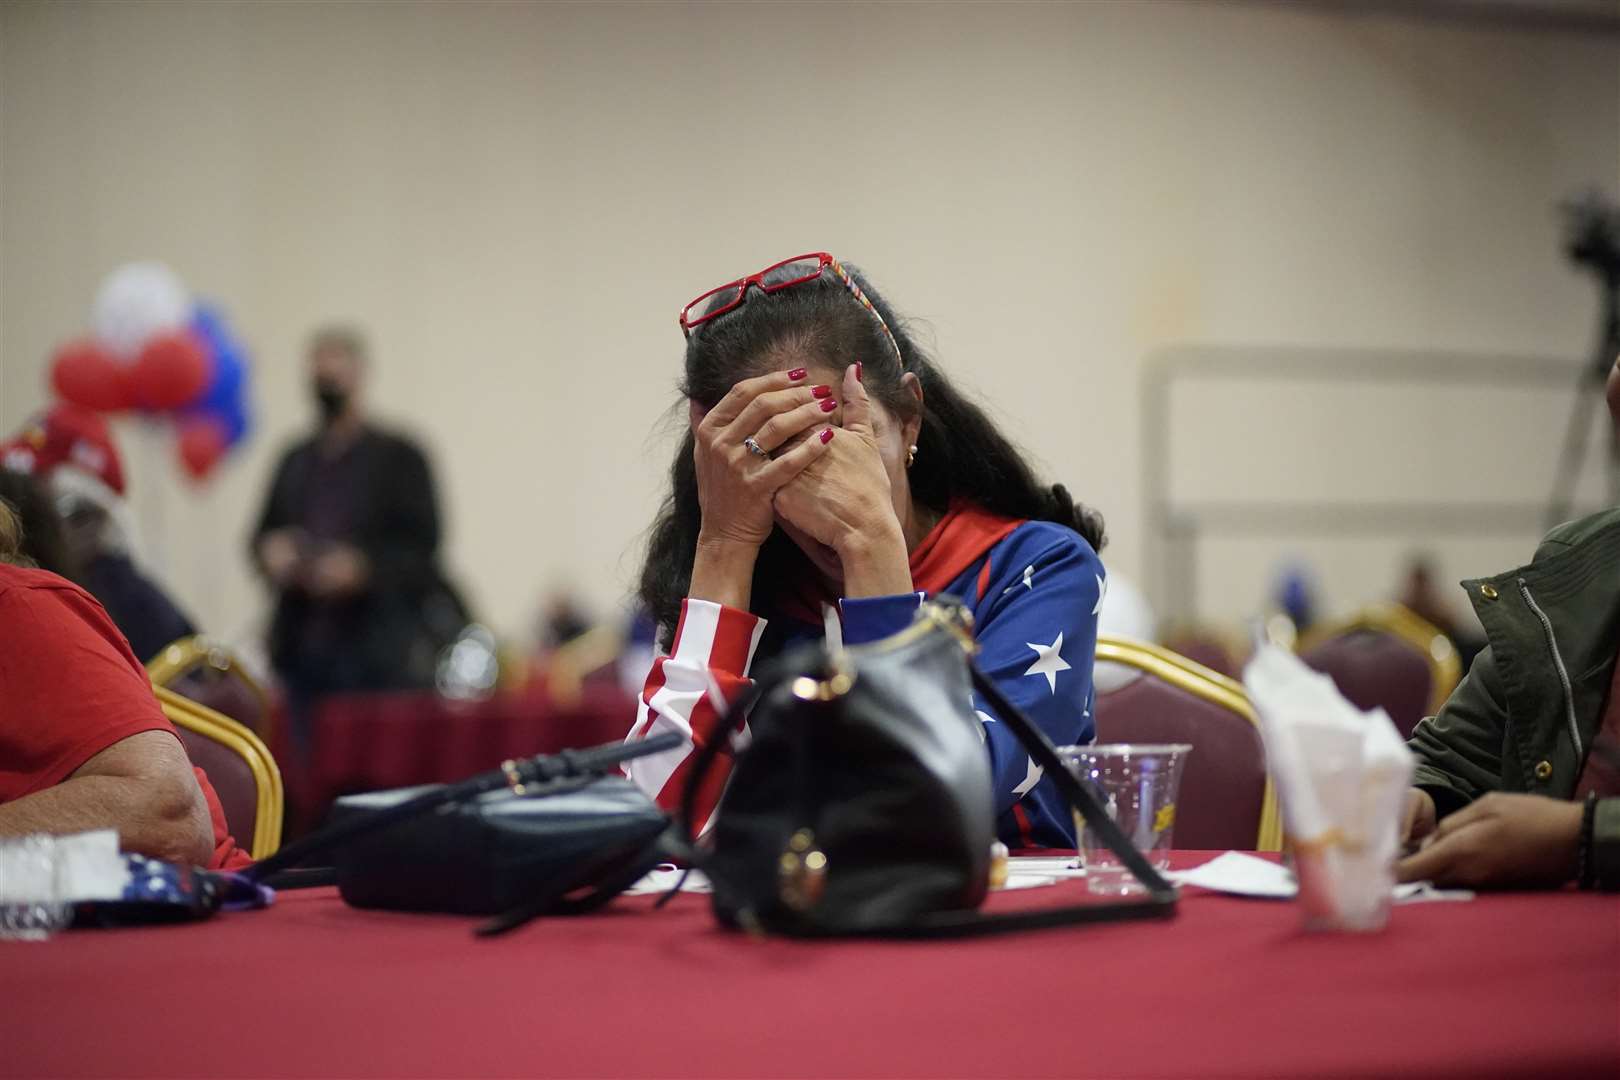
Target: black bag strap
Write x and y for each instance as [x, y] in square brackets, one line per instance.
[610, 877]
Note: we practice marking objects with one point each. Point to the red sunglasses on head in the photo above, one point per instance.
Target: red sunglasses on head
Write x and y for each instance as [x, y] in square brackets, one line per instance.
[783, 275]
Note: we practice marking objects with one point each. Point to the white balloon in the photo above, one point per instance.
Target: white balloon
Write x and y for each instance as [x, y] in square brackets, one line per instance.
[1125, 612]
[136, 301]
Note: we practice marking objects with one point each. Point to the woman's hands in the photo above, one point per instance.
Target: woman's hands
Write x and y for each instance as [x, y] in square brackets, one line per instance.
[736, 485]
[845, 501]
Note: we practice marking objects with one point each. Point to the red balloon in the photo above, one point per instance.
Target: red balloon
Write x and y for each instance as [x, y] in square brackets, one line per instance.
[203, 441]
[172, 371]
[84, 374]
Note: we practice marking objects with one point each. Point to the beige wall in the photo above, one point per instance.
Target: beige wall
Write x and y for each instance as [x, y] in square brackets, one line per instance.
[514, 200]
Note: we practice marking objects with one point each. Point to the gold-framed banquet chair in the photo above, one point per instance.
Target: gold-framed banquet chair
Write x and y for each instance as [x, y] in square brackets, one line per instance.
[240, 767]
[204, 671]
[1227, 799]
[1385, 656]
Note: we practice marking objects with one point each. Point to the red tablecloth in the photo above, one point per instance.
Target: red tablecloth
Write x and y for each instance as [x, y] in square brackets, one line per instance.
[363, 742]
[1513, 985]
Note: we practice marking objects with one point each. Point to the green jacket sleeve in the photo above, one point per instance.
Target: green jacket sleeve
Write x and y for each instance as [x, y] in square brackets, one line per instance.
[1459, 750]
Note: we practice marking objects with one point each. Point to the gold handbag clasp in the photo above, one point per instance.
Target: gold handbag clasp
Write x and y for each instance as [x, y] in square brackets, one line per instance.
[801, 872]
[956, 620]
[835, 685]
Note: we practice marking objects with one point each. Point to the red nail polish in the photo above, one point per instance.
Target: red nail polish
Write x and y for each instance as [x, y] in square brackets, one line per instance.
[826, 436]
[821, 392]
[858, 372]
[829, 405]
[798, 373]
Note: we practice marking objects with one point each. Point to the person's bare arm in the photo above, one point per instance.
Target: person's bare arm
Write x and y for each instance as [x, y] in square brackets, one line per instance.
[142, 786]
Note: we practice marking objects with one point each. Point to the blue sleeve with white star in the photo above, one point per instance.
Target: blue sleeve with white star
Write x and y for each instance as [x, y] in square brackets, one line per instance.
[1036, 624]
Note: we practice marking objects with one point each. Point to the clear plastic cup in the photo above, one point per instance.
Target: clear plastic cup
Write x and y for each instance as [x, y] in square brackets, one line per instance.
[1137, 784]
[33, 888]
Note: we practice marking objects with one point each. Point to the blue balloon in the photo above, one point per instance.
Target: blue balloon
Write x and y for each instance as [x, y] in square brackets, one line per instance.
[224, 355]
[236, 422]
[226, 398]
[230, 378]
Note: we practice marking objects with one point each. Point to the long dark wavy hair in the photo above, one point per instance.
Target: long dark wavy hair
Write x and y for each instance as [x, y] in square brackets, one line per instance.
[960, 452]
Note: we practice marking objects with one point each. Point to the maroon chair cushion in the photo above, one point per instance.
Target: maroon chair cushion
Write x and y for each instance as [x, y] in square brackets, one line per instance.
[1223, 784]
[224, 694]
[1209, 652]
[233, 782]
[1374, 668]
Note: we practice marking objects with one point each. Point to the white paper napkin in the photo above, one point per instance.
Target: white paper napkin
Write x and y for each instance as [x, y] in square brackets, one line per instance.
[83, 866]
[1238, 874]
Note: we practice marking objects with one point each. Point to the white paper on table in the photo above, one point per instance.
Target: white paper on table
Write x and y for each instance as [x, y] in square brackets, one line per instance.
[1246, 875]
[1023, 872]
[94, 869]
[1427, 892]
[90, 868]
[1055, 866]
[1026, 881]
[1241, 875]
[661, 879]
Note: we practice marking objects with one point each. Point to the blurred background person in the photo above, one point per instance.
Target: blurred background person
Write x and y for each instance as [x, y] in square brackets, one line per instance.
[563, 618]
[1420, 595]
[348, 540]
[1296, 597]
[83, 530]
[42, 540]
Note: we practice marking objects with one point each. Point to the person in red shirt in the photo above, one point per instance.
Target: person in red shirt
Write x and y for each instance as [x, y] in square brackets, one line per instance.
[83, 741]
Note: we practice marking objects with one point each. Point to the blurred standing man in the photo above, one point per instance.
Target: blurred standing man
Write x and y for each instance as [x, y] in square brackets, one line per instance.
[348, 540]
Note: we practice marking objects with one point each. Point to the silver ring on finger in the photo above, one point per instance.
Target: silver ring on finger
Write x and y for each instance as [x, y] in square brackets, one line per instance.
[754, 448]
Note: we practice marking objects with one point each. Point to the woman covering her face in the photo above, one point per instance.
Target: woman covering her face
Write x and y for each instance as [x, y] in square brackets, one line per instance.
[831, 477]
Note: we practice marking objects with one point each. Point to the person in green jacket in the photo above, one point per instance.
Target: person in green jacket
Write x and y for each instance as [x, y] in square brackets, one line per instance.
[1518, 775]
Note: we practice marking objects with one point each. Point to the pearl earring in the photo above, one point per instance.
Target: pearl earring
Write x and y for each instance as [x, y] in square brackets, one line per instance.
[911, 455]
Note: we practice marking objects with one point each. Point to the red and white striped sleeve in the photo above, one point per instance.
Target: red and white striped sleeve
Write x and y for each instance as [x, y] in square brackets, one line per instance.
[712, 642]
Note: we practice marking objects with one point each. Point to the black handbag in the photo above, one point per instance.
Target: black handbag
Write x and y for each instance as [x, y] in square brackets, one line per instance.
[548, 835]
[502, 852]
[862, 802]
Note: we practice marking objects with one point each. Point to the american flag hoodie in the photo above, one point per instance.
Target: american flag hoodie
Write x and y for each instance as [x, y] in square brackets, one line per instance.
[1034, 588]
